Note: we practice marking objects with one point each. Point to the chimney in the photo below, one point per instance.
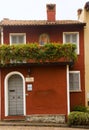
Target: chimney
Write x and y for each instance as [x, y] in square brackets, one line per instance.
[87, 6]
[51, 12]
[79, 11]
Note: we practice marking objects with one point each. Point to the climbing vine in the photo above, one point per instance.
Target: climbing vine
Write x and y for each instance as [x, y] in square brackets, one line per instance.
[34, 52]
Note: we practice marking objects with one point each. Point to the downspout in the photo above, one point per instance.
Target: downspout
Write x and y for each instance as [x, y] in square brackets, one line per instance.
[0, 97]
[1, 30]
[68, 92]
[1, 36]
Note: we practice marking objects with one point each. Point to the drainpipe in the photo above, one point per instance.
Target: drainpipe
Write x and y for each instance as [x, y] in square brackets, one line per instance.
[1, 30]
[68, 92]
[2, 36]
[0, 97]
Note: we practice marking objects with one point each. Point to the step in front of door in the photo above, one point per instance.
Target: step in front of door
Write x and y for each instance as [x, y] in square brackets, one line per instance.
[46, 118]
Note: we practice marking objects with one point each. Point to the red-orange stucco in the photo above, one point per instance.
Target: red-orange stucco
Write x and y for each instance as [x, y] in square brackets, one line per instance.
[49, 93]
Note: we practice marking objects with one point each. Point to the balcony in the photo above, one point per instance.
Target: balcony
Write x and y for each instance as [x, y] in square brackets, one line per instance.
[33, 54]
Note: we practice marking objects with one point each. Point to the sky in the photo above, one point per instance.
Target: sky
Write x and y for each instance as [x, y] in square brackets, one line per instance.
[36, 9]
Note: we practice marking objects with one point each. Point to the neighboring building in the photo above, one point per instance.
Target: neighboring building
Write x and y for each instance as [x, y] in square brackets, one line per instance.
[53, 87]
[83, 16]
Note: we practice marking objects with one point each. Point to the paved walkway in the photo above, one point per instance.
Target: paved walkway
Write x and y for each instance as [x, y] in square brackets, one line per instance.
[36, 128]
[21, 125]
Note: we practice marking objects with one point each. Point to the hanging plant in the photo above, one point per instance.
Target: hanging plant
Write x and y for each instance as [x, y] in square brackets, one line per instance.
[33, 52]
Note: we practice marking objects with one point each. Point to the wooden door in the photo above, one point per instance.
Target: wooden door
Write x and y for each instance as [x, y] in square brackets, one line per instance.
[15, 95]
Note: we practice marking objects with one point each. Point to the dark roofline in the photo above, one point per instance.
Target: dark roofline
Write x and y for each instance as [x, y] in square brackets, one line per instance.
[7, 22]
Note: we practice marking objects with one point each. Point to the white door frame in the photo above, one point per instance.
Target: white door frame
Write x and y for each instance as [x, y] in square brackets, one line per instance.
[6, 91]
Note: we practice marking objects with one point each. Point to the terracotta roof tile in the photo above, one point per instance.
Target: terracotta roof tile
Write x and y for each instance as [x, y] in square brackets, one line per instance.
[7, 22]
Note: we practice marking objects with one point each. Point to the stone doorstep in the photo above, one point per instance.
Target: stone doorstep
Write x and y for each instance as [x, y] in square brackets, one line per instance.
[56, 120]
[46, 118]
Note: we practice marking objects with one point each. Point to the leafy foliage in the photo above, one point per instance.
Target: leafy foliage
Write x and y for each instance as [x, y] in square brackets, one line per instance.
[80, 108]
[78, 118]
[48, 52]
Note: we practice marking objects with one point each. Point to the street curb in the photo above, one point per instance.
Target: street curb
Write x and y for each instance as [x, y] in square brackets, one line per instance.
[5, 123]
[23, 123]
[80, 127]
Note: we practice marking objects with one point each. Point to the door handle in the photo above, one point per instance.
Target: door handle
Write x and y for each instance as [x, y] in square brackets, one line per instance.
[18, 97]
[13, 97]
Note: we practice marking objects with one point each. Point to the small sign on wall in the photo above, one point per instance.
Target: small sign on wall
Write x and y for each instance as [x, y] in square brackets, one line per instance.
[29, 79]
[29, 87]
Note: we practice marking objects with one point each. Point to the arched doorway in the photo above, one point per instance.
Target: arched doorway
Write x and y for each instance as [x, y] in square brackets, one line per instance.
[14, 94]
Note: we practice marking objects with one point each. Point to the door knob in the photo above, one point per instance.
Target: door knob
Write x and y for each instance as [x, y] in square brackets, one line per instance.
[18, 97]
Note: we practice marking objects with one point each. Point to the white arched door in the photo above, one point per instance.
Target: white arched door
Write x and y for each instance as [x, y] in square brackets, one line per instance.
[15, 95]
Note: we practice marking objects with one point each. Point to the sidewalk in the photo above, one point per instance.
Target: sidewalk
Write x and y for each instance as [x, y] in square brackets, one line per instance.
[25, 123]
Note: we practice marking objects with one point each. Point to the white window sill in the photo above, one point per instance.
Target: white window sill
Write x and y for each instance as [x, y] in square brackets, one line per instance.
[75, 91]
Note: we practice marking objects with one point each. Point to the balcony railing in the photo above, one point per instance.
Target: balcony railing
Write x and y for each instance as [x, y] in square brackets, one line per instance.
[33, 53]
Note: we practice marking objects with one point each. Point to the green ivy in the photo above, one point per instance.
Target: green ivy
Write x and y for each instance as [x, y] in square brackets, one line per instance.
[34, 52]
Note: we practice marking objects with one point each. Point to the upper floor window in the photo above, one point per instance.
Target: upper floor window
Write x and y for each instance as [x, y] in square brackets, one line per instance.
[74, 80]
[72, 37]
[17, 38]
[43, 39]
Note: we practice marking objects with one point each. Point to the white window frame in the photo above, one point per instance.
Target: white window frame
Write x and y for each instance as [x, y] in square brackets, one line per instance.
[78, 50]
[16, 34]
[79, 90]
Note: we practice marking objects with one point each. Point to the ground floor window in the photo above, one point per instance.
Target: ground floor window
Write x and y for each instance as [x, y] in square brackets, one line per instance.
[74, 81]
